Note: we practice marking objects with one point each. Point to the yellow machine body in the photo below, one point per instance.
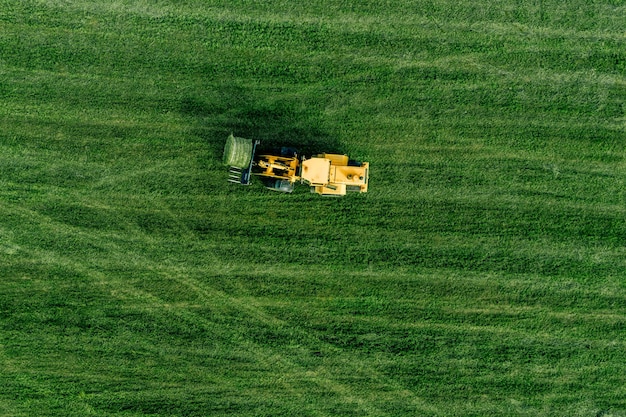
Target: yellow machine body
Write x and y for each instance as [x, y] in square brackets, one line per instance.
[326, 173]
[334, 175]
[278, 167]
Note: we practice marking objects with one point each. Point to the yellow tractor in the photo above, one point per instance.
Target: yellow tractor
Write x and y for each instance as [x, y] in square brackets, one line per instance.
[326, 174]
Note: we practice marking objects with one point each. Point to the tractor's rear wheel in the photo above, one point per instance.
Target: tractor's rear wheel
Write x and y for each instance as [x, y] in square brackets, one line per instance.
[275, 184]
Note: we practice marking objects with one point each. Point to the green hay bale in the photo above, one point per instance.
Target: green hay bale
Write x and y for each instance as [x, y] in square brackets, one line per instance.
[238, 152]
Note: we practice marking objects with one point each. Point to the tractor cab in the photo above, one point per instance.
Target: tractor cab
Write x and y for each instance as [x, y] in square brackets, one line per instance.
[334, 175]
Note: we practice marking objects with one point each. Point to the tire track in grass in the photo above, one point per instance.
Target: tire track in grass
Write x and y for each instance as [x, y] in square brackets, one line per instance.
[289, 365]
[323, 376]
[129, 294]
[326, 376]
[145, 301]
[269, 358]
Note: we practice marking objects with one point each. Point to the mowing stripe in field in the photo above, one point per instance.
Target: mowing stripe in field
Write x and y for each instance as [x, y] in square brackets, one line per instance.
[482, 274]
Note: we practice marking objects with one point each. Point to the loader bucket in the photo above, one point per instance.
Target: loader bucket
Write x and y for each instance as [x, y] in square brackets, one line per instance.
[238, 152]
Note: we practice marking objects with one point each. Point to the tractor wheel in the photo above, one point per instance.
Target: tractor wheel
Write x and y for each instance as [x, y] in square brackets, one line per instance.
[283, 186]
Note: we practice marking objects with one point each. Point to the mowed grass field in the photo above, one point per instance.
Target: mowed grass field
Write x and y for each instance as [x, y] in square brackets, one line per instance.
[483, 274]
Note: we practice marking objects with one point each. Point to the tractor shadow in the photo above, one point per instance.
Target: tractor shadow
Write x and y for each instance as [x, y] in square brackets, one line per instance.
[277, 123]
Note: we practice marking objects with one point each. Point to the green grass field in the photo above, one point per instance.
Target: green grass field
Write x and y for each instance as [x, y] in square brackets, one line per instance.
[483, 274]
